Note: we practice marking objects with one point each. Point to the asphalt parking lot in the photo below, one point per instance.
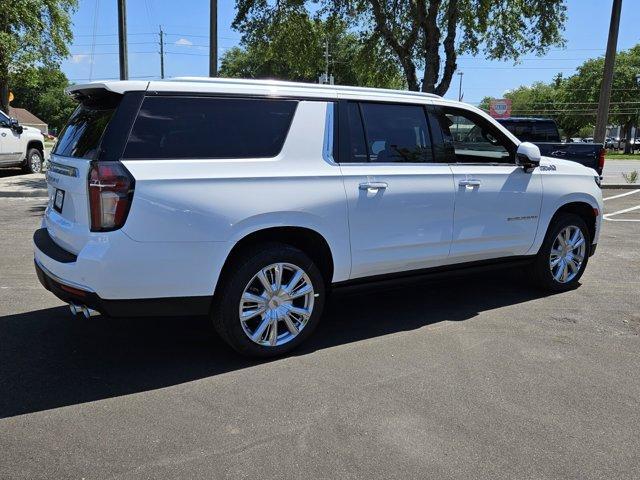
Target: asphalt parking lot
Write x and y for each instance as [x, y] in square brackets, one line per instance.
[481, 377]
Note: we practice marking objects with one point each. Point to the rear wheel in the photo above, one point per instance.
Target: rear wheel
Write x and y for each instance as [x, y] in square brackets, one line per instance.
[33, 162]
[269, 301]
[563, 256]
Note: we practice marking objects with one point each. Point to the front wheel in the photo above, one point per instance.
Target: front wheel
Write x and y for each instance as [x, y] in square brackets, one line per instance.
[563, 255]
[34, 161]
[269, 301]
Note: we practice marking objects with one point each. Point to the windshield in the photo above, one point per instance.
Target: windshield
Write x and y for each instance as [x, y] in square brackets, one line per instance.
[82, 135]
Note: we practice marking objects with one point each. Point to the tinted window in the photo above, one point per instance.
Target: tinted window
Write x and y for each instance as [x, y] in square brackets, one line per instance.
[201, 127]
[4, 119]
[520, 129]
[358, 147]
[545, 132]
[396, 133]
[81, 137]
[533, 131]
[474, 139]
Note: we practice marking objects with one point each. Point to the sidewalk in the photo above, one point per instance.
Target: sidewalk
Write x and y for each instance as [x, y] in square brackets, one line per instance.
[19, 185]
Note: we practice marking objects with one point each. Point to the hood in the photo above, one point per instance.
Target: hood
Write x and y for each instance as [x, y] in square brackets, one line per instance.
[567, 166]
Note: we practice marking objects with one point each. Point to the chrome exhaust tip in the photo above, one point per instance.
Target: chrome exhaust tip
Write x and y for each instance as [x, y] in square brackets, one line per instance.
[82, 309]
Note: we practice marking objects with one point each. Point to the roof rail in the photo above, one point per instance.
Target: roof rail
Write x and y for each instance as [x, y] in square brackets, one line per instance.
[282, 83]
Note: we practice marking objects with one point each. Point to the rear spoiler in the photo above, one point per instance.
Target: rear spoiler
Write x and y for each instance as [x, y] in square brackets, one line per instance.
[88, 90]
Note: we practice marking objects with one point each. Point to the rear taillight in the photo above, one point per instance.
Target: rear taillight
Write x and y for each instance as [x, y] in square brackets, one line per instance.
[601, 161]
[110, 195]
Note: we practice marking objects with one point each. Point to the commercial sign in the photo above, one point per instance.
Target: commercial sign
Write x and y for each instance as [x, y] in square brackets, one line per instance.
[500, 108]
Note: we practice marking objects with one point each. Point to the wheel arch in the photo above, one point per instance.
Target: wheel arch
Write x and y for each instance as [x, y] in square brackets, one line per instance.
[581, 208]
[37, 144]
[310, 241]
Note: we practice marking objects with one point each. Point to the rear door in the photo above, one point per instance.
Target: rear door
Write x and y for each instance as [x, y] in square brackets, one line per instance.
[94, 130]
[497, 202]
[400, 202]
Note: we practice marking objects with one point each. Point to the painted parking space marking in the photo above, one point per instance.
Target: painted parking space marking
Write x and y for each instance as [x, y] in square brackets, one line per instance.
[621, 195]
[619, 212]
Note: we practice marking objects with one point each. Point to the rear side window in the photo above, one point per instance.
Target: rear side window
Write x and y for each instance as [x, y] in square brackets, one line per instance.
[83, 133]
[396, 133]
[209, 127]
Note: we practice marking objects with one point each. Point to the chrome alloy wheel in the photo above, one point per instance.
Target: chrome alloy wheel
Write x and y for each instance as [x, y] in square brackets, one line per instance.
[35, 163]
[567, 254]
[276, 304]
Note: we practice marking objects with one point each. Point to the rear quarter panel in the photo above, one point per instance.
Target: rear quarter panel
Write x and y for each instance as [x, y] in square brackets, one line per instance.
[214, 200]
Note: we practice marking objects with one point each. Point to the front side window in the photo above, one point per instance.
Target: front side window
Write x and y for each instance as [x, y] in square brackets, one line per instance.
[474, 139]
[175, 127]
[389, 133]
[4, 120]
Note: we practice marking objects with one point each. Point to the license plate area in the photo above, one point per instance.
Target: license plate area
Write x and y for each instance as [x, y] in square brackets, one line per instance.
[58, 200]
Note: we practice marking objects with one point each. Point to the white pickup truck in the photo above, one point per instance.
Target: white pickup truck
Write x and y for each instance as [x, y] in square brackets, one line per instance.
[20, 146]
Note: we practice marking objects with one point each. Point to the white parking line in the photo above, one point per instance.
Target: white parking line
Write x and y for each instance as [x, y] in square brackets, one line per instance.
[630, 209]
[621, 195]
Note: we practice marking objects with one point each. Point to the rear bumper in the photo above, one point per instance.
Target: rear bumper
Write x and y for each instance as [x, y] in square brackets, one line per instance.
[141, 284]
[142, 307]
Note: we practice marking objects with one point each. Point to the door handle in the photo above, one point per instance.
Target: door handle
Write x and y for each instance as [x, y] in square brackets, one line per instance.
[373, 185]
[469, 183]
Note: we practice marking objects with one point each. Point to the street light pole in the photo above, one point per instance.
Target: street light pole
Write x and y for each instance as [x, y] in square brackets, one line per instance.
[607, 75]
[460, 87]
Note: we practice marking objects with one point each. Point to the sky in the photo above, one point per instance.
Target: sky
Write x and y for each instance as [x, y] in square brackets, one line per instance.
[186, 24]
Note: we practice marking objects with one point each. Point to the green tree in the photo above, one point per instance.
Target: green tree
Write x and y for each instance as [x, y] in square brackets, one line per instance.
[41, 91]
[32, 32]
[572, 102]
[582, 90]
[417, 31]
[292, 47]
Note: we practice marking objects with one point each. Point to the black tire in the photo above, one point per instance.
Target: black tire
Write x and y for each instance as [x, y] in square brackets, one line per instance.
[33, 167]
[540, 270]
[236, 277]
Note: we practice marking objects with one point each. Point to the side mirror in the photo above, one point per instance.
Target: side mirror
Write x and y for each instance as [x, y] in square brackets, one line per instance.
[528, 155]
[15, 126]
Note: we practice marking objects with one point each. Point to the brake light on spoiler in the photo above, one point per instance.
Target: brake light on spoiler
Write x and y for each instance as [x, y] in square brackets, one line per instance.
[111, 189]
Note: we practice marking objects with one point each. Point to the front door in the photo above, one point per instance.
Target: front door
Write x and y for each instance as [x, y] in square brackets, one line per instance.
[400, 202]
[497, 203]
[10, 145]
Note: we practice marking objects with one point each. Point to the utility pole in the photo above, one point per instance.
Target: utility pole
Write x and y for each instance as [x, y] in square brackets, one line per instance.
[460, 87]
[122, 40]
[161, 53]
[607, 75]
[213, 39]
[326, 59]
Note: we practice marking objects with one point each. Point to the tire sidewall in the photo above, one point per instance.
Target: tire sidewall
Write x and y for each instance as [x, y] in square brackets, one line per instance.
[542, 263]
[238, 280]
[30, 153]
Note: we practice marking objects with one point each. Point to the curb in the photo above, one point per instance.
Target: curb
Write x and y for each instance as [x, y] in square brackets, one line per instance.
[35, 193]
[620, 186]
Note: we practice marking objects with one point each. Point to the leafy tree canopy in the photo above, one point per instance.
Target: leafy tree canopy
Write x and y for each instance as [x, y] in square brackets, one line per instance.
[41, 91]
[421, 32]
[291, 46]
[32, 33]
[573, 101]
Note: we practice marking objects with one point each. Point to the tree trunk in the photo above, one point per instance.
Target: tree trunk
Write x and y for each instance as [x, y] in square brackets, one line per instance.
[627, 136]
[4, 93]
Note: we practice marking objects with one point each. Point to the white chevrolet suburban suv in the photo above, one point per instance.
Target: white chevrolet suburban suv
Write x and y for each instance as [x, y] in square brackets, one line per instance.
[250, 200]
[20, 146]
